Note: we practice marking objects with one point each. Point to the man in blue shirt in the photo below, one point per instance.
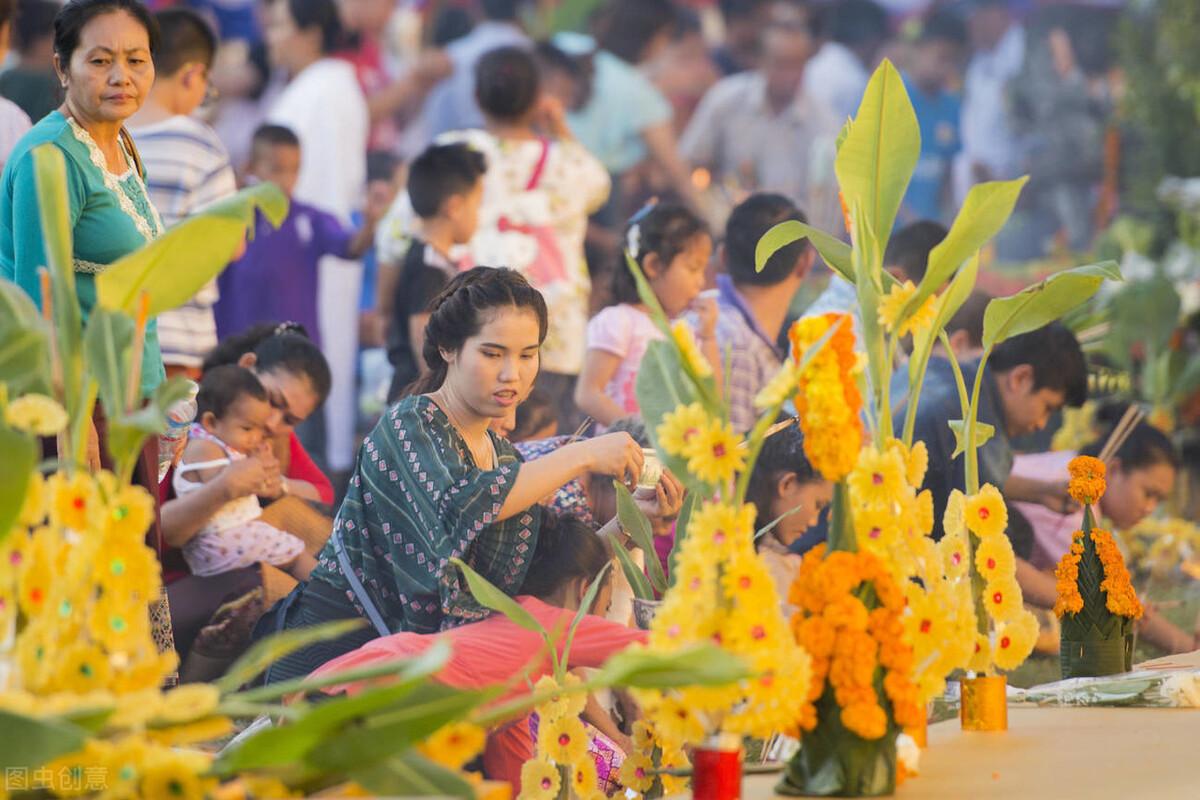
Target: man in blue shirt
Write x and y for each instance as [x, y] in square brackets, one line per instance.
[1027, 378]
[935, 66]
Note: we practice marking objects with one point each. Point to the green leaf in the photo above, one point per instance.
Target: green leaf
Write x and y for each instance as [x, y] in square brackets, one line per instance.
[661, 388]
[985, 211]
[422, 711]
[770, 526]
[128, 432]
[107, 341]
[868, 265]
[489, 596]
[27, 743]
[983, 432]
[635, 523]
[176, 265]
[835, 252]
[880, 151]
[20, 459]
[633, 573]
[409, 774]
[701, 665]
[24, 343]
[267, 651]
[585, 608]
[1040, 304]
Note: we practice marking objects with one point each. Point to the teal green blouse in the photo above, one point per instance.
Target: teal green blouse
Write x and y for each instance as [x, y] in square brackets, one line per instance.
[110, 217]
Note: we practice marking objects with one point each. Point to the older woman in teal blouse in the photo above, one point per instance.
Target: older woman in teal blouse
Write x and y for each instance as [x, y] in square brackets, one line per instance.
[103, 55]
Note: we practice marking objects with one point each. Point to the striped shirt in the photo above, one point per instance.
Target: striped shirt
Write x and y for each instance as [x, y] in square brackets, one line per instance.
[187, 168]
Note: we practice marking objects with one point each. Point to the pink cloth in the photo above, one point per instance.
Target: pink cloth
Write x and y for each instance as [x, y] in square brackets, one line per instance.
[1051, 530]
[625, 332]
[492, 652]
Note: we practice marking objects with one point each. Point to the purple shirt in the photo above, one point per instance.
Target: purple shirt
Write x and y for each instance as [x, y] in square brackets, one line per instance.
[276, 279]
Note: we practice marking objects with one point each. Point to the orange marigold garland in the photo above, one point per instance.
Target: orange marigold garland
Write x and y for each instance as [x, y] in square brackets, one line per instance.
[829, 403]
[1096, 600]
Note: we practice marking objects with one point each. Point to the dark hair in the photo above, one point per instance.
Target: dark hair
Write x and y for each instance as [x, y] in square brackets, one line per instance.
[34, 20]
[748, 223]
[456, 315]
[635, 426]
[321, 14]
[1145, 447]
[909, 247]
[439, 173]
[1057, 361]
[221, 387]
[533, 414]
[186, 37]
[75, 15]
[625, 27]
[855, 22]
[781, 453]
[664, 229]
[687, 23]
[567, 549]
[944, 26]
[274, 136]
[381, 166]
[503, 10]
[276, 346]
[969, 317]
[507, 83]
[739, 9]
[451, 23]
[7, 8]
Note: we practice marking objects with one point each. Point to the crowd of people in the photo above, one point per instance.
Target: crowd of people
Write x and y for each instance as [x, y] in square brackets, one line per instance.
[463, 199]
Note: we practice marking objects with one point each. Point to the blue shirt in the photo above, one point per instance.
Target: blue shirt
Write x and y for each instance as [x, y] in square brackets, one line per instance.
[110, 216]
[938, 117]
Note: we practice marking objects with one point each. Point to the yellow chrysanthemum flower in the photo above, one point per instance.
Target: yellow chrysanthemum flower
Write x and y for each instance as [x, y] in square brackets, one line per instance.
[584, 780]
[680, 427]
[82, 668]
[892, 304]
[637, 772]
[209, 729]
[74, 501]
[981, 658]
[878, 478]
[922, 513]
[36, 414]
[718, 528]
[36, 578]
[188, 702]
[1015, 640]
[916, 464]
[1002, 599]
[563, 741]
[994, 559]
[876, 528]
[716, 454]
[454, 745]
[176, 774]
[124, 767]
[953, 547]
[117, 623]
[985, 513]
[132, 571]
[782, 386]
[33, 510]
[130, 513]
[678, 721]
[540, 780]
[954, 521]
[689, 350]
[135, 709]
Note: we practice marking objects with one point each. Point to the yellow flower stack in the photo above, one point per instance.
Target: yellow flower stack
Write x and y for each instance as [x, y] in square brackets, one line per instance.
[562, 766]
[1096, 600]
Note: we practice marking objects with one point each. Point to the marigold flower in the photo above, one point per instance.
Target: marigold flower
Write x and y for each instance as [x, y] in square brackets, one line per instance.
[781, 386]
[865, 719]
[828, 400]
[680, 427]
[716, 454]
[36, 414]
[689, 350]
[1015, 640]
[985, 513]
[1120, 597]
[1087, 479]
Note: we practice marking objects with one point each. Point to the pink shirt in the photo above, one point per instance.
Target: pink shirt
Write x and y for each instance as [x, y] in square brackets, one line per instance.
[491, 652]
[1051, 530]
[625, 332]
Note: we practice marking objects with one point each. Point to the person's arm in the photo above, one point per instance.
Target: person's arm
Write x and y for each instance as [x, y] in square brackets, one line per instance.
[1051, 494]
[304, 477]
[595, 715]
[409, 88]
[184, 516]
[1161, 632]
[614, 454]
[599, 366]
[1037, 587]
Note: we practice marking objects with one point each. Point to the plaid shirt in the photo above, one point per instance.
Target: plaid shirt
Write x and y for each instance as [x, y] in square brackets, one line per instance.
[753, 356]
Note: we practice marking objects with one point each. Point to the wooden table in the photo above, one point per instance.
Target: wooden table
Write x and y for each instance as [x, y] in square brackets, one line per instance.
[1053, 753]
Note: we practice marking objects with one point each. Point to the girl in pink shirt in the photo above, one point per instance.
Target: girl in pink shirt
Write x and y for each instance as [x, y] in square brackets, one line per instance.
[568, 558]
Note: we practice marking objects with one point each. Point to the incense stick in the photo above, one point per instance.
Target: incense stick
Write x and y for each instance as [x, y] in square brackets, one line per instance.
[1129, 420]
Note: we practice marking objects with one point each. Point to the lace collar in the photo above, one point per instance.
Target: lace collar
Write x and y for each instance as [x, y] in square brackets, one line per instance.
[148, 228]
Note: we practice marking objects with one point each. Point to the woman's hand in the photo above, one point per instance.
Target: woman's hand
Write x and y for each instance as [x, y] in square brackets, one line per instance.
[616, 455]
[272, 484]
[664, 501]
[243, 478]
[705, 307]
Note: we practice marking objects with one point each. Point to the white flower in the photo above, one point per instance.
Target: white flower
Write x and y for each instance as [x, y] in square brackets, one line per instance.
[908, 753]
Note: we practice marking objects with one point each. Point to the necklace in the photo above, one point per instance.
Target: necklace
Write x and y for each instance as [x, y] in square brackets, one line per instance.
[485, 461]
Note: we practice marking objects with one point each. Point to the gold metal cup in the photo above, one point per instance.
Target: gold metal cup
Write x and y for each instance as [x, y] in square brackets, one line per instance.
[984, 703]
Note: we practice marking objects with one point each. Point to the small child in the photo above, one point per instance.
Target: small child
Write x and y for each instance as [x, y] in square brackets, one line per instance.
[672, 247]
[445, 187]
[233, 409]
[277, 277]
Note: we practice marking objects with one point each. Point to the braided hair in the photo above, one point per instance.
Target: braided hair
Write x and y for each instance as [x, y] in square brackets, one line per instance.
[457, 314]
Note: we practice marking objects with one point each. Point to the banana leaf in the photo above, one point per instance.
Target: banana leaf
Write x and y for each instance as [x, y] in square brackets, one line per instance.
[635, 523]
[1040, 304]
[20, 459]
[409, 774]
[267, 651]
[27, 743]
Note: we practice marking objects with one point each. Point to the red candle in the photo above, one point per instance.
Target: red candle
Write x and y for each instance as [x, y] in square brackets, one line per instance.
[717, 771]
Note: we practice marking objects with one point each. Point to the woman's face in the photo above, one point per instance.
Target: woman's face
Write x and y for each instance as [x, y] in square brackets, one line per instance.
[111, 71]
[1134, 494]
[810, 497]
[495, 369]
[292, 397]
[288, 46]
